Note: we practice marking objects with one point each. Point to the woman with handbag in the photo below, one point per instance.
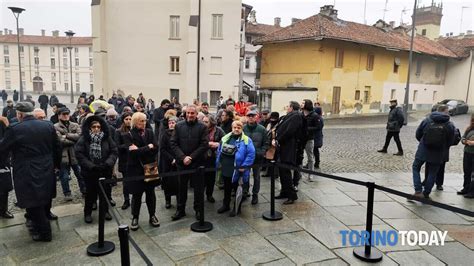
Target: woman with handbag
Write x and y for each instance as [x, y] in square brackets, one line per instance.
[235, 153]
[168, 162]
[121, 136]
[96, 153]
[142, 162]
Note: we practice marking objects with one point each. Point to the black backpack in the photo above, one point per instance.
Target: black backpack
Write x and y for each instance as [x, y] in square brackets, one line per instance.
[435, 135]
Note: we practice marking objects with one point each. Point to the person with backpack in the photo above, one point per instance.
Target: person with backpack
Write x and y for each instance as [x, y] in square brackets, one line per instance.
[440, 175]
[394, 124]
[435, 135]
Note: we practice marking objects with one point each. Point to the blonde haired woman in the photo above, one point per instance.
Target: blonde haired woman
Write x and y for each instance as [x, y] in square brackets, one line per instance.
[142, 150]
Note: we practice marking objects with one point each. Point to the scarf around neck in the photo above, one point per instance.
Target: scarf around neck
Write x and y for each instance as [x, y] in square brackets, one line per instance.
[95, 151]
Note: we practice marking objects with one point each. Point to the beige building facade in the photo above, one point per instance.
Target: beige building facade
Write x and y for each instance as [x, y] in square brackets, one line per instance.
[149, 47]
[45, 63]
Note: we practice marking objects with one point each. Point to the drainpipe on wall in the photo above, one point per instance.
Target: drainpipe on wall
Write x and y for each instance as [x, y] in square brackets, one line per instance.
[469, 80]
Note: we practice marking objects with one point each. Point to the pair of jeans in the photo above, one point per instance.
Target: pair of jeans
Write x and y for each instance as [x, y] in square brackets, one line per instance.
[150, 201]
[468, 169]
[317, 159]
[64, 176]
[396, 137]
[432, 172]
[256, 180]
[183, 181]
[309, 149]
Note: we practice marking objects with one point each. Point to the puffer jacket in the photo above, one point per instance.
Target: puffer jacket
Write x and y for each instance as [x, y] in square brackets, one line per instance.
[244, 156]
[68, 136]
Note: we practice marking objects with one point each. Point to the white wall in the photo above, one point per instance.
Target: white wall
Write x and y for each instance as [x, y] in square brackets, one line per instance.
[457, 79]
[135, 36]
[424, 98]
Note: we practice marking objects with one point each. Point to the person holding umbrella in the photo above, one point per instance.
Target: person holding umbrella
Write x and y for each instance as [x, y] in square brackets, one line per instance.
[236, 150]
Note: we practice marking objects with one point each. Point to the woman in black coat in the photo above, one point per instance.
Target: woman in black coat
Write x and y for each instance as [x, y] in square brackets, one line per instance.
[96, 152]
[5, 175]
[168, 162]
[121, 137]
[142, 150]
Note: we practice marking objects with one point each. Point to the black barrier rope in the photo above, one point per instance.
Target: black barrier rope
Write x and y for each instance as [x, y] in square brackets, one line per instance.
[132, 241]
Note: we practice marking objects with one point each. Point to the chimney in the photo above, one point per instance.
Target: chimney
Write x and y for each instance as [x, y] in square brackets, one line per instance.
[447, 34]
[1, 33]
[392, 24]
[450, 34]
[469, 32]
[55, 33]
[277, 21]
[253, 17]
[294, 20]
[21, 31]
[6, 31]
[329, 11]
[43, 32]
[10, 32]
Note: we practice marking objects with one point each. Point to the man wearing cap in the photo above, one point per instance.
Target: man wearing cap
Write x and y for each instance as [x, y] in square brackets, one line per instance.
[394, 124]
[259, 137]
[36, 153]
[265, 119]
[68, 133]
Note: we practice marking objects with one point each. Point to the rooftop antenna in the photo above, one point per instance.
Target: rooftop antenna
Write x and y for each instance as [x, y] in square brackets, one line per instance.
[462, 13]
[385, 9]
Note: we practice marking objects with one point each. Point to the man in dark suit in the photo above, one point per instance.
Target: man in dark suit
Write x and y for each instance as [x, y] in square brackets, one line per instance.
[34, 159]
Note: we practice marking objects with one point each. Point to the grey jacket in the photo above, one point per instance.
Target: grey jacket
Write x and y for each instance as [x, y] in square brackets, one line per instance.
[68, 136]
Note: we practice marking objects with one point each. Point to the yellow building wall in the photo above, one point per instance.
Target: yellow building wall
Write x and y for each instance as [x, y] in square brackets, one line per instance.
[312, 64]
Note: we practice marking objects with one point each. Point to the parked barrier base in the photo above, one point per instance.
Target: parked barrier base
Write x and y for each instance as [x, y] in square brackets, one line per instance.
[201, 227]
[95, 250]
[272, 217]
[374, 255]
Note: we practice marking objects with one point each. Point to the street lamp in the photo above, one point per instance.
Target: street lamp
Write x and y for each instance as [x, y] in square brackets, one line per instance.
[410, 59]
[16, 12]
[69, 34]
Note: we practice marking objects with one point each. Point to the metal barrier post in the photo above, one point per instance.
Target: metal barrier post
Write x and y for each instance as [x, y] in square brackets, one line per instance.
[123, 232]
[201, 226]
[368, 253]
[272, 215]
[101, 247]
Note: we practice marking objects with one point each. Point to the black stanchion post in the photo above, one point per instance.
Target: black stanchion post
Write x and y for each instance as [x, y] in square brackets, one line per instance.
[101, 247]
[201, 226]
[272, 215]
[123, 232]
[368, 253]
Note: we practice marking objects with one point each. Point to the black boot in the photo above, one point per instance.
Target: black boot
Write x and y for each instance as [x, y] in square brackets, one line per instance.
[178, 215]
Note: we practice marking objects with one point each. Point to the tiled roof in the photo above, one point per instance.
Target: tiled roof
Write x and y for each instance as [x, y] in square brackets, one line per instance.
[320, 27]
[460, 47]
[260, 29]
[45, 40]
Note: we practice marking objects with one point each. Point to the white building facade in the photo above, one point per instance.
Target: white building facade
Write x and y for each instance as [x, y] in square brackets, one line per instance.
[149, 47]
[45, 63]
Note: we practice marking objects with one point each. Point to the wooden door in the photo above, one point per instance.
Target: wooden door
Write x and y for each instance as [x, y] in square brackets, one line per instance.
[336, 99]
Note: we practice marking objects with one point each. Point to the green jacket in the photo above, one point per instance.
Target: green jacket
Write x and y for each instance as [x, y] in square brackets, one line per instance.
[260, 139]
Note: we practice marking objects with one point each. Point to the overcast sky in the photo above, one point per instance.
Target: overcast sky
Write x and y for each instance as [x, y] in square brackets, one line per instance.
[75, 14]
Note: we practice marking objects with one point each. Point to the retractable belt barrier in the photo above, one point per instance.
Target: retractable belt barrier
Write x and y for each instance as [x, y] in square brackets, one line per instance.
[365, 253]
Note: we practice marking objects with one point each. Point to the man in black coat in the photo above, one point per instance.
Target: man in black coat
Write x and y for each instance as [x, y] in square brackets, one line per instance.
[43, 101]
[189, 144]
[34, 158]
[288, 134]
[394, 124]
[5, 175]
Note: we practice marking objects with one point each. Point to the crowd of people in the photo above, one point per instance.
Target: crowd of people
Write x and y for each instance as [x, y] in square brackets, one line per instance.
[128, 137]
